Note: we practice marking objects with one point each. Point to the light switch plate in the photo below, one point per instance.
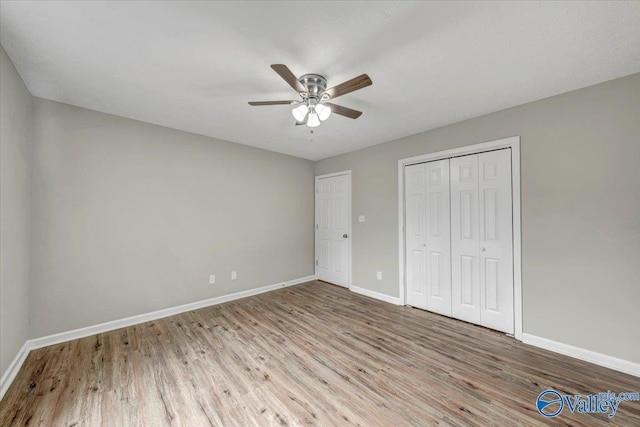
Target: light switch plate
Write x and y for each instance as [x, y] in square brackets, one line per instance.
[361, 218]
[379, 275]
[234, 275]
[212, 279]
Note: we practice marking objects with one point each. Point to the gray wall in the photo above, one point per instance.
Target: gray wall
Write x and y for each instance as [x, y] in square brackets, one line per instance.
[130, 217]
[580, 160]
[16, 113]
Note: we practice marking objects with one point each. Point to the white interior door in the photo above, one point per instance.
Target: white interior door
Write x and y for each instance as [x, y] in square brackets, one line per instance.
[465, 239]
[496, 238]
[333, 228]
[438, 238]
[415, 213]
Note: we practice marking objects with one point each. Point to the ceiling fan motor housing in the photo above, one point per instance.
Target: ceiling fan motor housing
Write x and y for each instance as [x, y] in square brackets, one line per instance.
[315, 85]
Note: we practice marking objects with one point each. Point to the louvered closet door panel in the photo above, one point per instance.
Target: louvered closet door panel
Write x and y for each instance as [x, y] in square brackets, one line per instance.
[415, 193]
[438, 238]
[496, 249]
[465, 235]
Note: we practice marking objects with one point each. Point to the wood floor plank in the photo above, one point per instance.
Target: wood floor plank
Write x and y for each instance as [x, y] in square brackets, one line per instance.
[313, 354]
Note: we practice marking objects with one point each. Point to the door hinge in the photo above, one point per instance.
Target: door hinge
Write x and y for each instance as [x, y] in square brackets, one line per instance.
[316, 262]
[316, 226]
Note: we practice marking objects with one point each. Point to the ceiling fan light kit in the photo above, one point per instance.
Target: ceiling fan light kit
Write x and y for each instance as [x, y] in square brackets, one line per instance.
[323, 111]
[315, 107]
[313, 120]
[300, 112]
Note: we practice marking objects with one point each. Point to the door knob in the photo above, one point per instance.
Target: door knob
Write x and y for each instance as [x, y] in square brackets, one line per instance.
[482, 249]
[345, 236]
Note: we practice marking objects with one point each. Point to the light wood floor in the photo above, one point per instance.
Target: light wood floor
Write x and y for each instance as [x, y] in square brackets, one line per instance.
[309, 354]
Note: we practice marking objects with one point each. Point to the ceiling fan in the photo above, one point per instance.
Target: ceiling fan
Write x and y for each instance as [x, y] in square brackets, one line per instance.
[312, 88]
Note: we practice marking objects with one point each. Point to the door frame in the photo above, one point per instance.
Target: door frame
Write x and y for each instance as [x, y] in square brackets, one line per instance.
[511, 142]
[315, 222]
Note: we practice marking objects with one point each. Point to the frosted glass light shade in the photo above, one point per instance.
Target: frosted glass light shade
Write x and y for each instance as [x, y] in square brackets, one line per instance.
[313, 120]
[323, 111]
[299, 112]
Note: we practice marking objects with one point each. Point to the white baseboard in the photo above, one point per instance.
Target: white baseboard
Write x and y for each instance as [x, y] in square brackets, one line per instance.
[376, 295]
[11, 372]
[610, 362]
[159, 314]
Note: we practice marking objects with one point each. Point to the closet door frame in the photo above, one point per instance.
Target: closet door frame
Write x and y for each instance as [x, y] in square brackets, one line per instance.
[511, 142]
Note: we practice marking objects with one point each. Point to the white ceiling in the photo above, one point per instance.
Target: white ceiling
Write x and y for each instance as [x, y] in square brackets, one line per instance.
[194, 65]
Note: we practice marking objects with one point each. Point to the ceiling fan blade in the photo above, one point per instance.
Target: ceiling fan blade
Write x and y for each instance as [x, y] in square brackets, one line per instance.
[348, 86]
[288, 77]
[258, 103]
[344, 111]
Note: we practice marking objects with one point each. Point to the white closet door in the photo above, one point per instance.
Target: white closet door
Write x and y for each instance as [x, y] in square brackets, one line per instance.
[496, 251]
[438, 238]
[415, 194]
[465, 239]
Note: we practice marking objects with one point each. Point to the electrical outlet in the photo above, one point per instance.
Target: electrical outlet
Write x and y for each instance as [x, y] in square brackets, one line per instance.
[234, 275]
[212, 279]
[361, 218]
[379, 275]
